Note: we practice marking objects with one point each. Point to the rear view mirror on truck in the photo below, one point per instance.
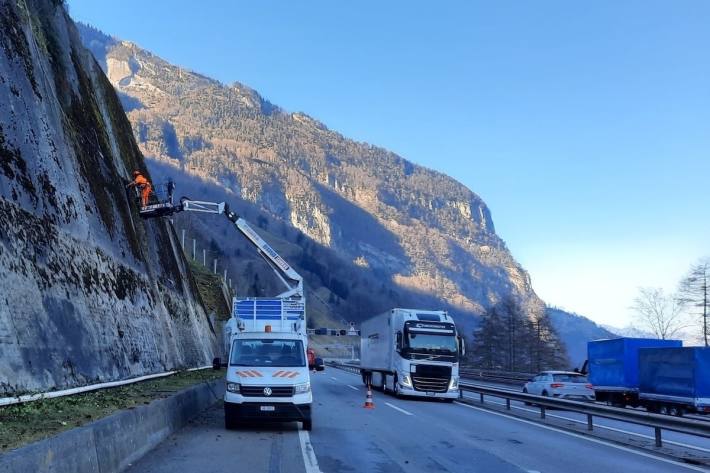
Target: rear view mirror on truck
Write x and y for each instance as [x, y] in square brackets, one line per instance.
[217, 364]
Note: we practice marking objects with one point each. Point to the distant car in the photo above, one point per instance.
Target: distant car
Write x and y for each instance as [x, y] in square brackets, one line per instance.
[561, 384]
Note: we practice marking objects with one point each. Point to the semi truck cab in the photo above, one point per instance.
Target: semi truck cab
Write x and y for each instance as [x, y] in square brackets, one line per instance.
[412, 352]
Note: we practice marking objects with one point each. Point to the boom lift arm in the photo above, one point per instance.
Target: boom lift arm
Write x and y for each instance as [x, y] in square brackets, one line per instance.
[288, 276]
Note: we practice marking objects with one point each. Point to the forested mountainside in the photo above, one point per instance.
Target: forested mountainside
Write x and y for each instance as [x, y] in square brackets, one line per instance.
[421, 229]
[369, 229]
[88, 291]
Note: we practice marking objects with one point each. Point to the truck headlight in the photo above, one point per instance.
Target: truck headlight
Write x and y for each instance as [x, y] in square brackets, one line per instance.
[302, 388]
[233, 387]
[454, 384]
[406, 381]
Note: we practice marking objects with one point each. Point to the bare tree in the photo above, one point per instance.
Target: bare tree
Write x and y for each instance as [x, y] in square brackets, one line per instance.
[660, 313]
[694, 292]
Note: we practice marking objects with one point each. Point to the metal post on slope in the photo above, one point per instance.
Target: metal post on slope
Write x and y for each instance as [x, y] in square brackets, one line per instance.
[215, 266]
[542, 412]
[590, 423]
[194, 248]
[183, 239]
[225, 275]
[204, 257]
[659, 440]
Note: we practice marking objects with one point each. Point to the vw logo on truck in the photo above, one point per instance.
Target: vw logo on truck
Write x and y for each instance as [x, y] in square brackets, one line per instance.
[267, 391]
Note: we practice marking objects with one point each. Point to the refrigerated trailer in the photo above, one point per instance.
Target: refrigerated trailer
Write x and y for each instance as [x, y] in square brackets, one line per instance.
[411, 352]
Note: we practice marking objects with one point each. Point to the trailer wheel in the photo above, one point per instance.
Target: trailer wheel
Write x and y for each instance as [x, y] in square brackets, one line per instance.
[663, 409]
[675, 411]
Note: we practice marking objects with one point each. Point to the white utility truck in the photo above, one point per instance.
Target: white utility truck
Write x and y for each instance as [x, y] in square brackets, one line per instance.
[265, 340]
[267, 374]
[412, 352]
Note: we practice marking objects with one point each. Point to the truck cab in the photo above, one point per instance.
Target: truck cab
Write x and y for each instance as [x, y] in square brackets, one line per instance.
[268, 378]
[412, 352]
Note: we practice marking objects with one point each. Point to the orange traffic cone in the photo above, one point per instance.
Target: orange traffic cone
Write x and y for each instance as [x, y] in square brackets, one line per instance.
[368, 400]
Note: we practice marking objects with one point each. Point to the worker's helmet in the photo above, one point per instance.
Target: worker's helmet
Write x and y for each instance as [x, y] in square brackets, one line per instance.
[136, 173]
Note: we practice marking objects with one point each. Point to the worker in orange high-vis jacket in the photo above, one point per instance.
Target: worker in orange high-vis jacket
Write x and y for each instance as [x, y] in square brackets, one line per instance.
[143, 185]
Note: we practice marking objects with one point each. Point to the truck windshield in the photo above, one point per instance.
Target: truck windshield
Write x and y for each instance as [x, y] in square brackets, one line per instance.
[434, 343]
[274, 352]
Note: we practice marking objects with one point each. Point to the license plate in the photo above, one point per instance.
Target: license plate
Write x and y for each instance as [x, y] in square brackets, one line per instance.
[268, 408]
[430, 394]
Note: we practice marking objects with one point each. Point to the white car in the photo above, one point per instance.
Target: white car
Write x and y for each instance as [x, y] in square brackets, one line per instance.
[561, 384]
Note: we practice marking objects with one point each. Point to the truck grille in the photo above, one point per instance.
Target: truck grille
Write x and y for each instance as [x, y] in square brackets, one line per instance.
[437, 385]
[431, 378]
[258, 391]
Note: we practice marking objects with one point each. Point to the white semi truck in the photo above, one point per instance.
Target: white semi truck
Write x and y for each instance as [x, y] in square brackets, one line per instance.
[265, 340]
[412, 352]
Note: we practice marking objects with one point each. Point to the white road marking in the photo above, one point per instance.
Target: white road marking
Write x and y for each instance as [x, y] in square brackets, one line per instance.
[334, 379]
[309, 457]
[600, 426]
[399, 409]
[351, 387]
[589, 439]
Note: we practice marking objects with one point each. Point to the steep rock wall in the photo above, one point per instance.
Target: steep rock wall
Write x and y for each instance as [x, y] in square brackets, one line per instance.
[88, 291]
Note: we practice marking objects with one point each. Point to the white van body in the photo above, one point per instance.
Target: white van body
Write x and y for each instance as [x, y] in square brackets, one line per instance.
[267, 370]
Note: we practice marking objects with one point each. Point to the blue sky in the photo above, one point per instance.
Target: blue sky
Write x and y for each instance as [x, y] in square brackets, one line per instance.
[585, 126]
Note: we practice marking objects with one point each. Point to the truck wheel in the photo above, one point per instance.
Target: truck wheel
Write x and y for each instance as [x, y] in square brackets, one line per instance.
[385, 389]
[675, 411]
[307, 425]
[395, 386]
[663, 409]
[230, 420]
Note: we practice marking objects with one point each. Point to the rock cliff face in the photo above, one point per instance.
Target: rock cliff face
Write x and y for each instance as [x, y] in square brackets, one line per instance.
[88, 291]
[418, 230]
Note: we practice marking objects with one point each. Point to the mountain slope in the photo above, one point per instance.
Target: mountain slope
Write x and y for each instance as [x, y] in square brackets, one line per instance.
[420, 230]
[89, 292]
[575, 331]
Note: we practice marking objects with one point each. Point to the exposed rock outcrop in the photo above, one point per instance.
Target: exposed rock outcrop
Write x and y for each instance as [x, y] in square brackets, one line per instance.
[88, 291]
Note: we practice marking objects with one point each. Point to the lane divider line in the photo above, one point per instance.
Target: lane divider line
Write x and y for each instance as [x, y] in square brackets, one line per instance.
[309, 456]
[399, 409]
[334, 379]
[352, 387]
[606, 427]
[589, 439]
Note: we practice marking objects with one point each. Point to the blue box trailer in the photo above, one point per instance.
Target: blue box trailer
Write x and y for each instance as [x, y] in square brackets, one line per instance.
[614, 367]
[675, 380]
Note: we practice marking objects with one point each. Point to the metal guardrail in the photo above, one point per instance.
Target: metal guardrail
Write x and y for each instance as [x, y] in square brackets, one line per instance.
[500, 376]
[658, 422]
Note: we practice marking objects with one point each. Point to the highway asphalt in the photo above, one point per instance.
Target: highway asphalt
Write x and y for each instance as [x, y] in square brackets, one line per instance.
[397, 436]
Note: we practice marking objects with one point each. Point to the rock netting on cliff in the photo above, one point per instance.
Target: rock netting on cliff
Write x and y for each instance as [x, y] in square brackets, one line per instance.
[88, 291]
